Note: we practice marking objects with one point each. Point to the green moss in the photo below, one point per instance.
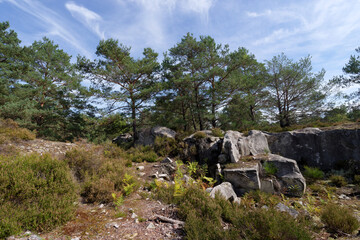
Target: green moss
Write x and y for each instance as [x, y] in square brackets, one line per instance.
[216, 132]
[199, 135]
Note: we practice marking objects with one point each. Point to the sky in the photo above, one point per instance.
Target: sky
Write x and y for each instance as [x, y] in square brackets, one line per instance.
[327, 30]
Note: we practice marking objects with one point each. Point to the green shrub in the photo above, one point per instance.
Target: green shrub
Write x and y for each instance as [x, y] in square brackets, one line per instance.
[37, 193]
[141, 154]
[338, 181]
[339, 219]
[99, 176]
[11, 132]
[165, 146]
[312, 173]
[204, 218]
[269, 168]
[216, 132]
[357, 179]
[199, 135]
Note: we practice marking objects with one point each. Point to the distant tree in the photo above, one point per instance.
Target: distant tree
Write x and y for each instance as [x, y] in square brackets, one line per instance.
[352, 69]
[293, 88]
[201, 77]
[126, 83]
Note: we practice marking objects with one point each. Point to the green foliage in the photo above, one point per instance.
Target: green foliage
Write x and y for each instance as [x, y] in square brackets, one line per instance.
[141, 153]
[357, 179]
[338, 181]
[37, 193]
[294, 88]
[165, 146]
[11, 132]
[312, 173]
[270, 168]
[199, 135]
[204, 217]
[339, 219]
[217, 132]
[99, 176]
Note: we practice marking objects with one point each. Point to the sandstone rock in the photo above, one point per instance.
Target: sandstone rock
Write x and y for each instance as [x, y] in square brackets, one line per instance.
[243, 178]
[226, 190]
[230, 145]
[147, 136]
[283, 208]
[289, 175]
[123, 138]
[314, 147]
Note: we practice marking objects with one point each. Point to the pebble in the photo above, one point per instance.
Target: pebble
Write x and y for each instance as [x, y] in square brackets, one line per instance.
[140, 168]
[133, 215]
[150, 226]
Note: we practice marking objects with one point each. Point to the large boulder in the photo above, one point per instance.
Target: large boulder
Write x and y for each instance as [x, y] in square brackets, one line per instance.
[202, 147]
[225, 190]
[147, 136]
[287, 171]
[244, 176]
[236, 145]
[123, 138]
[326, 149]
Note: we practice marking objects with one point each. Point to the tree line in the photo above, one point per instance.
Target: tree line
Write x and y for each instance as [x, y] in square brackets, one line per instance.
[198, 85]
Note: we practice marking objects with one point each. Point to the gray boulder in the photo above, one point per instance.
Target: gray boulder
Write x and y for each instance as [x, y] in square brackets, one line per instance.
[236, 145]
[288, 173]
[123, 138]
[326, 149]
[244, 177]
[283, 208]
[225, 190]
[147, 136]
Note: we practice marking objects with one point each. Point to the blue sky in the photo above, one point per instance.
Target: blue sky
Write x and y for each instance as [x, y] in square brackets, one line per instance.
[328, 30]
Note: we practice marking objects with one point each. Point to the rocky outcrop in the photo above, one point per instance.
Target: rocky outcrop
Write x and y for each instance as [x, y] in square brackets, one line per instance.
[244, 177]
[326, 149]
[146, 136]
[203, 147]
[123, 138]
[292, 182]
[236, 145]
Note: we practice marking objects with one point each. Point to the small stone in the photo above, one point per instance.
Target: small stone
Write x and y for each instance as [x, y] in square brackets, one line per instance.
[164, 176]
[150, 226]
[131, 210]
[141, 174]
[133, 215]
[283, 208]
[140, 168]
[101, 205]
[75, 238]
[34, 237]
[113, 224]
[167, 160]
[136, 220]
[343, 197]
[208, 190]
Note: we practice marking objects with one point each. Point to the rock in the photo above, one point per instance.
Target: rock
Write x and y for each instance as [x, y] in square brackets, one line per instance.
[167, 160]
[141, 174]
[225, 190]
[289, 175]
[325, 149]
[164, 176]
[343, 197]
[123, 138]
[208, 190]
[236, 144]
[267, 185]
[283, 208]
[244, 177]
[147, 136]
[112, 224]
[134, 215]
[204, 150]
[237, 200]
[140, 168]
[150, 226]
[230, 145]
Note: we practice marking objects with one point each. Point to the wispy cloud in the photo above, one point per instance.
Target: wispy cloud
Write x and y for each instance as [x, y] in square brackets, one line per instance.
[87, 17]
[51, 20]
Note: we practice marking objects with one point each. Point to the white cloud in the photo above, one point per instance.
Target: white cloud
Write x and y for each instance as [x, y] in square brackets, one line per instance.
[52, 21]
[87, 17]
[255, 14]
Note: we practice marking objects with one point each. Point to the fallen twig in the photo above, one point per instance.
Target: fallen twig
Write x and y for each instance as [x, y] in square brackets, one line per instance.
[166, 219]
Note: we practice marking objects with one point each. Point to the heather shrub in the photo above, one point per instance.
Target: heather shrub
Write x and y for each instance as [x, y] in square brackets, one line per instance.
[37, 193]
[312, 174]
[11, 132]
[339, 219]
[199, 135]
[338, 181]
[165, 146]
[99, 171]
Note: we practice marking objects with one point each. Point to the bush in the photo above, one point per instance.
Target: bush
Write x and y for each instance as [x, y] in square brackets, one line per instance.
[216, 132]
[339, 219]
[165, 146]
[204, 218]
[357, 179]
[269, 168]
[199, 135]
[99, 172]
[338, 181]
[37, 193]
[11, 132]
[312, 173]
